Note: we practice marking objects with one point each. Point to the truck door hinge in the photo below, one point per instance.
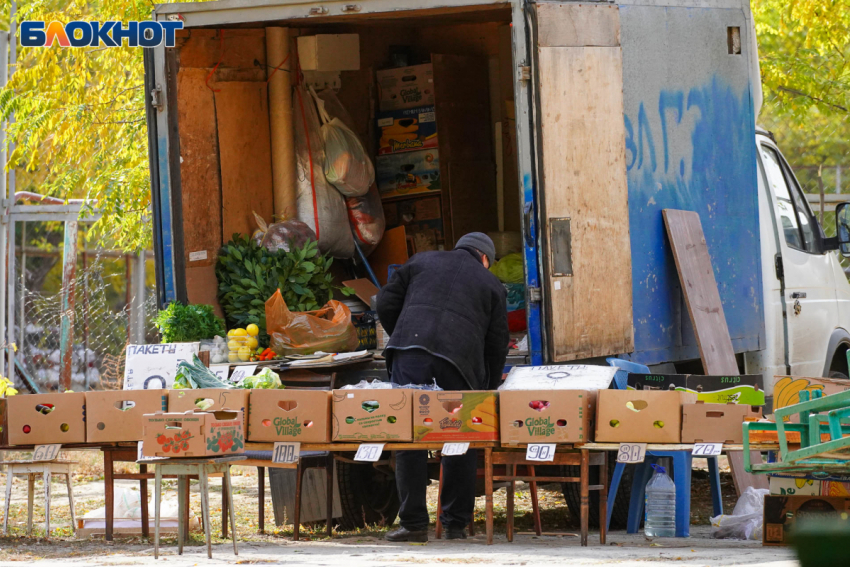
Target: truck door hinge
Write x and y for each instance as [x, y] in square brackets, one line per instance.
[524, 73]
[156, 99]
[534, 295]
[780, 270]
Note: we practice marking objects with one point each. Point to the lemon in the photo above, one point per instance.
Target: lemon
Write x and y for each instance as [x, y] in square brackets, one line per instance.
[239, 332]
[234, 345]
[232, 357]
[252, 330]
[231, 333]
[244, 354]
[253, 343]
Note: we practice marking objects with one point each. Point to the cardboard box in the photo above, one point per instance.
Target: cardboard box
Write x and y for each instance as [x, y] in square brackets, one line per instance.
[455, 417]
[408, 173]
[4, 423]
[547, 416]
[108, 422]
[786, 390]
[290, 415]
[193, 434]
[781, 512]
[716, 423]
[65, 424]
[373, 415]
[329, 52]
[801, 486]
[640, 416]
[747, 389]
[408, 129]
[406, 87]
[180, 401]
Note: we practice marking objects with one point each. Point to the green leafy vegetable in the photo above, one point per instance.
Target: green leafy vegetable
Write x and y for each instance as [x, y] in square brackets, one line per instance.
[266, 379]
[194, 375]
[180, 323]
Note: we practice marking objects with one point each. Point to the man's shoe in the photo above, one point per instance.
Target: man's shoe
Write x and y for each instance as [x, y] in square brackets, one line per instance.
[403, 534]
[455, 533]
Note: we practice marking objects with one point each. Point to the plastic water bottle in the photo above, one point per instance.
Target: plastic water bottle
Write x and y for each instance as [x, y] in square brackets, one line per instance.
[660, 520]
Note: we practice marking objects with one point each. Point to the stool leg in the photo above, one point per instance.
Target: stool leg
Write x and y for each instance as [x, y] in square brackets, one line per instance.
[229, 487]
[30, 501]
[682, 464]
[296, 522]
[585, 495]
[636, 502]
[187, 501]
[10, 477]
[261, 489]
[438, 526]
[224, 512]
[46, 501]
[330, 465]
[488, 492]
[603, 499]
[615, 484]
[109, 490]
[205, 506]
[143, 497]
[157, 497]
[181, 520]
[716, 493]
[535, 505]
[71, 501]
[511, 472]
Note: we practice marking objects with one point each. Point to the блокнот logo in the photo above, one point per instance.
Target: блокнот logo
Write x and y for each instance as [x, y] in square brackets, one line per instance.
[98, 34]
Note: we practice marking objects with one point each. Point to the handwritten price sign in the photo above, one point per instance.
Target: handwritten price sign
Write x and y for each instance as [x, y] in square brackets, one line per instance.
[707, 449]
[369, 452]
[542, 452]
[286, 453]
[46, 452]
[631, 453]
[454, 449]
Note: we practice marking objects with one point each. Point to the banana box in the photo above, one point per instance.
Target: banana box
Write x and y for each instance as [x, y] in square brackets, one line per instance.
[547, 416]
[407, 130]
[372, 415]
[786, 390]
[449, 417]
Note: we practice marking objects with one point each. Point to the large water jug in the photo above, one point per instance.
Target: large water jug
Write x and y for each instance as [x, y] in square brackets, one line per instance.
[660, 520]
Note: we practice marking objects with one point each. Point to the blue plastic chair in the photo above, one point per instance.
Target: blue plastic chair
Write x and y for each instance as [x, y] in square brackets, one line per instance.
[680, 471]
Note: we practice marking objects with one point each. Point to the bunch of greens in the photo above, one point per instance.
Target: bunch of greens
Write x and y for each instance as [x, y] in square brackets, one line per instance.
[194, 375]
[180, 323]
[249, 274]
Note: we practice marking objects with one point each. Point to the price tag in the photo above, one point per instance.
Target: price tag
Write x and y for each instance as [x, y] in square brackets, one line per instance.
[707, 449]
[140, 456]
[454, 449]
[369, 452]
[286, 452]
[631, 453]
[540, 452]
[242, 372]
[220, 370]
[46, 452]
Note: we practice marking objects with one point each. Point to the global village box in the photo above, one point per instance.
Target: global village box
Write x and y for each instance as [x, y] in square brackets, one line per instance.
[746, 389]
[406, 87]
[373, 415]
[547, 416]
[43, 419]
[193, 434]
[117, 416]
[210, 399]
[457, 416]
[290, 415]
[782, 512]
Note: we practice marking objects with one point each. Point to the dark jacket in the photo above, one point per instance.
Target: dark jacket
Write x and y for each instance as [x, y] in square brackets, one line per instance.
[450, 305]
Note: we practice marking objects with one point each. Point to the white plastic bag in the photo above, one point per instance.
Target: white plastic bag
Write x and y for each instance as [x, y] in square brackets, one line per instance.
[347, 166]
[746, 521]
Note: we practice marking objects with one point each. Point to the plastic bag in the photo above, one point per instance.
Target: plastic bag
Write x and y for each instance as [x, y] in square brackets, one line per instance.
[266, 380]
[347, 165]
[509, 269]
[379, 385]
[320, 205]
[291, 233]
[328, 329]
[746, 520]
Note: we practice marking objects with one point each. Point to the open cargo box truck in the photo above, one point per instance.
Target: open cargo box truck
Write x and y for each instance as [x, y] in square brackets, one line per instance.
[611, 112]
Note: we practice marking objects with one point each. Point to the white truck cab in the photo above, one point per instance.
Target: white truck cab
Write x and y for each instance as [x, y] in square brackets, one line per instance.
[806, 293]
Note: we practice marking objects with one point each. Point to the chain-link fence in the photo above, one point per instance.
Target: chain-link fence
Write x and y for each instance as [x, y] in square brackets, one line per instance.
[105, 309]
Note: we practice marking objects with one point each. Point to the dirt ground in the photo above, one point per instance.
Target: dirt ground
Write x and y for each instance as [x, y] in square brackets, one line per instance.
[276, 547]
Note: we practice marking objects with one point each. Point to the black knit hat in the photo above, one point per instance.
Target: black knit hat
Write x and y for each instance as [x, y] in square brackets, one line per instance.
[480, 242]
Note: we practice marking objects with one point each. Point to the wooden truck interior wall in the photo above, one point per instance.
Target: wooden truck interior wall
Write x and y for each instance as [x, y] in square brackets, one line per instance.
[223, 125]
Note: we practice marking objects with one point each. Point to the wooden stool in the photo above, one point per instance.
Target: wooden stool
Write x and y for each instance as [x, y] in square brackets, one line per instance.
[203, 468]
[30, 469]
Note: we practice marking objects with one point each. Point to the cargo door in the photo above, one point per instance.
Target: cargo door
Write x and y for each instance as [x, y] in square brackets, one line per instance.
[586, 270]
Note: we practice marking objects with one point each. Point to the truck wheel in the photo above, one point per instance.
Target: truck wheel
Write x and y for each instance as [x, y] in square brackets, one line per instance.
[572, 494]
[368, 496]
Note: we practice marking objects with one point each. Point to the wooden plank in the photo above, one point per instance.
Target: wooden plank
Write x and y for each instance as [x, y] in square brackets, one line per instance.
[700, 288]
[392, 249]
[364, 289]
[245, 151]
[472, 198]
[578, 25]
[584, 177]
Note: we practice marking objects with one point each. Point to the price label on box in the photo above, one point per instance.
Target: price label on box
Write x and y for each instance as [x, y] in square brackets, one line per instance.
[454, 449]
[631, 453]
[46, 452]
[286, 452]
[707, 449]
[543, 452]
[369, 452]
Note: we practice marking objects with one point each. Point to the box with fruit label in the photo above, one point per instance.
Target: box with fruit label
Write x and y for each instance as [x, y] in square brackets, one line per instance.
[547, 416]
[210, 399]
[372, 415]
[193, 434]
[450, 417]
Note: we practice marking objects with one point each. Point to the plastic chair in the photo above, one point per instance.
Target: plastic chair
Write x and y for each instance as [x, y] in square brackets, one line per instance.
[680, 471]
